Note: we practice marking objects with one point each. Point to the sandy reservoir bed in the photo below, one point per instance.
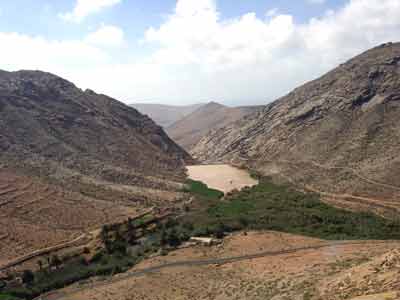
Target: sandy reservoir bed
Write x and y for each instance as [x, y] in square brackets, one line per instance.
[221, 177]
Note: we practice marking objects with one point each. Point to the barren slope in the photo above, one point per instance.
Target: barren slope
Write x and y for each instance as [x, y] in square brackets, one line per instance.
[47, 119]
[212, 116]
[339, 133]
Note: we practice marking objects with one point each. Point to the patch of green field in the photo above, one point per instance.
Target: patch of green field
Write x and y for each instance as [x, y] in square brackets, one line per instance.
[268, 206]
[198, 188]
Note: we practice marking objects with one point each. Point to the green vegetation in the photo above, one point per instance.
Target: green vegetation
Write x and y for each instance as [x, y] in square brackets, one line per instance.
[255, 174]
[8, 297]
[76, 269]
[268, 206]
[28, 277]
[200, 189]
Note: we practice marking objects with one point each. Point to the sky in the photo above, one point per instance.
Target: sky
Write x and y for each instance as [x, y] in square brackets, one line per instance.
[237, 52]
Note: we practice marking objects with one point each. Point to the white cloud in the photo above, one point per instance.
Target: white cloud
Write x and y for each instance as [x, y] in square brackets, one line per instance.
[106, 36]
[252, 58]
[201, 57]
[272, 12]
[84, 8]
[47, 55]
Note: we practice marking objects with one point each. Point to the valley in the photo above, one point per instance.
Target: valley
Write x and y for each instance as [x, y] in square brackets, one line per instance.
[97, 201]
[258, 227]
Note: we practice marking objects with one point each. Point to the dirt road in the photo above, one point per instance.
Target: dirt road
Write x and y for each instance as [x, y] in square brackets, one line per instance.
[221, 177]
[58, 295]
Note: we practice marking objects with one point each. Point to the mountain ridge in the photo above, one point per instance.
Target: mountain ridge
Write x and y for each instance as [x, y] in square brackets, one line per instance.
[211, 116]
[165, 115]
[59, 122]
[346, 118]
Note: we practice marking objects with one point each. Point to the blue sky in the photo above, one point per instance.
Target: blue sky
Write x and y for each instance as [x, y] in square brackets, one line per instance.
[41, 17]
[180, 52]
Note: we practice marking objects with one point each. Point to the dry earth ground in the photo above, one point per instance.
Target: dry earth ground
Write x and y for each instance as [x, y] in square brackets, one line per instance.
[222, 177]
[307, 274]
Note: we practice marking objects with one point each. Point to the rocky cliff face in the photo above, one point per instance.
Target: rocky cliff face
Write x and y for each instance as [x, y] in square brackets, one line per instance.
[339, 133]
[47, 123]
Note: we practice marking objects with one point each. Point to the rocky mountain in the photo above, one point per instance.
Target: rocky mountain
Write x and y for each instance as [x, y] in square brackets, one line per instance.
[46, 119]
[189, 130]
[73, 160]
[338, 135]
[166, 115]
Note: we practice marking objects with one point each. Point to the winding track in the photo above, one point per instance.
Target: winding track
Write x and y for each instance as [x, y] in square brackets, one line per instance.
[77, 241]
[59, 295]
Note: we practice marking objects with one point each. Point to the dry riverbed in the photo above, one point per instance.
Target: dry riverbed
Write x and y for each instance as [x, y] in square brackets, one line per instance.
[221, 177]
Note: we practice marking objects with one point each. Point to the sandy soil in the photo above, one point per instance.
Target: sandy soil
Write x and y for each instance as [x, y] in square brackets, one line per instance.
[295, 276]
[221, 177]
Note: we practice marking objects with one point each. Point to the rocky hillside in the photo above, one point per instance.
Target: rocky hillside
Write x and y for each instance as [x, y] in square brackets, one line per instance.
[73, 160]
[165, 115]
[339, 134]
[189, 130]
[47, 121]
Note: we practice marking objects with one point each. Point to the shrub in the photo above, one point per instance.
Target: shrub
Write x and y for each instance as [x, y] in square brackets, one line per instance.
[200, 189]
[173, 238]
[97, 257]
[28, 277]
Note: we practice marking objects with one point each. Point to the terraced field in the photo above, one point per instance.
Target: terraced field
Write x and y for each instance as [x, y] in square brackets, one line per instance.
[35, 215]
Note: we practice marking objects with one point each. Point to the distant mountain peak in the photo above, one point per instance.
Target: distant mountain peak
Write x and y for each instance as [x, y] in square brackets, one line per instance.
[189, 130]
[214, 103]
[166, 115]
